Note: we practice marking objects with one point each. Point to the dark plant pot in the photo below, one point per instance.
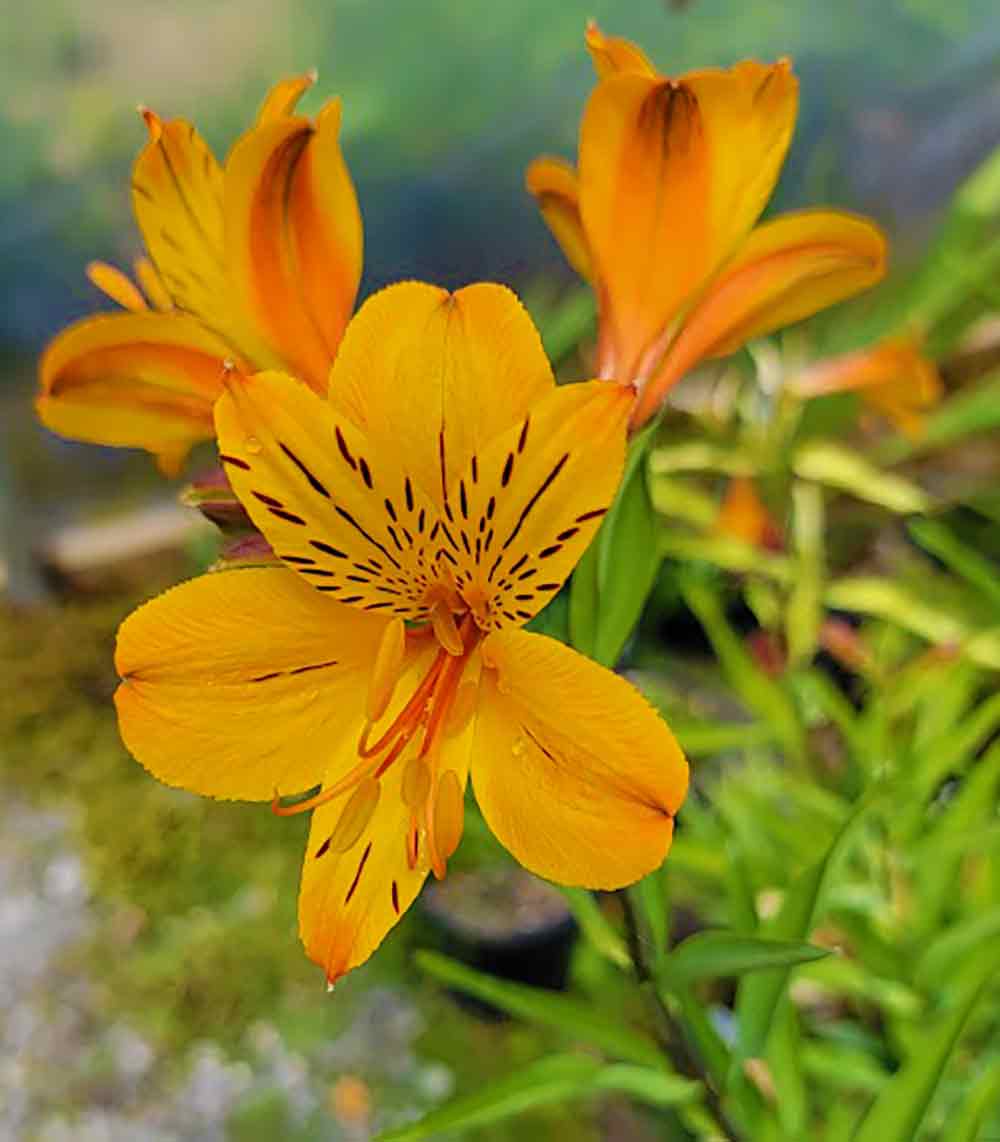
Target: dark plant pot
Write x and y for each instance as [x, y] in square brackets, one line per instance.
[506, 922]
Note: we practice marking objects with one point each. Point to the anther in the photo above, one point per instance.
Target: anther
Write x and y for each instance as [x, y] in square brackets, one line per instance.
[388, 666]
[443, 622]
[416, 783]
[448, 817]
[355, 816]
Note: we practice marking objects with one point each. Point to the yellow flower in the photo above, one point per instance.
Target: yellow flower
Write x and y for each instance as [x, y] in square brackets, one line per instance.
[660, 217]
[424, 512]
[892, 377]
[256, 263]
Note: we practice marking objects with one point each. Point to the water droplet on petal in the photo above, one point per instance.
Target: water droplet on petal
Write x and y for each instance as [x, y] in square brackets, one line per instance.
[518, 746]
[253, 445]
[329, 986]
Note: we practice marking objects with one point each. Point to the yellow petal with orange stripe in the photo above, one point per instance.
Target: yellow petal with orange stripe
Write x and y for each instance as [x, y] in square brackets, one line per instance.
[574, 771]
[141, 380]
[556, 188]
[786, 270]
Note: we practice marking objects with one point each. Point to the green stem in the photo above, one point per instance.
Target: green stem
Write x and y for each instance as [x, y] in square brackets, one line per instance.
[669, 1034]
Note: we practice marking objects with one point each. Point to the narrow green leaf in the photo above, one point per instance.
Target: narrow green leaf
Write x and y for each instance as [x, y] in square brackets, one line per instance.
[973, 567]
[981, 1099]
[805, 603]
[544, 1083]
[760, 993]
[953, 946]
[597, 929]
[567, 324]
[575, 1018]
[712, 955]
[897, 1112]
[583, 600]
[837, 467]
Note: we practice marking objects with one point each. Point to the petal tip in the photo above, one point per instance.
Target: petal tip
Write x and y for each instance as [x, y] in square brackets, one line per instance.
[154, 124]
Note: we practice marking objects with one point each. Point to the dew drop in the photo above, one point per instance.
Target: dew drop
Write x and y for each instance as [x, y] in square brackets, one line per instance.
[329, 986]
[518, 747]
[253, 445]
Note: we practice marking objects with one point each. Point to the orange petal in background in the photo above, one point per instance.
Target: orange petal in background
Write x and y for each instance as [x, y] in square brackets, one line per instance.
[786, 270]
[554, 184]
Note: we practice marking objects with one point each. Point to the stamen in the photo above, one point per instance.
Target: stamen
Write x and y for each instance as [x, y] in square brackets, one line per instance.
[445, 629]
[408, 718]
[116, 285]
[416, 783]
[358, 773]
[388, 667]
[355, 816]
[448, 818]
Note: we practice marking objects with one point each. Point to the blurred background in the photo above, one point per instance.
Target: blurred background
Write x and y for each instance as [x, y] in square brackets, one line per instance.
[151, 983]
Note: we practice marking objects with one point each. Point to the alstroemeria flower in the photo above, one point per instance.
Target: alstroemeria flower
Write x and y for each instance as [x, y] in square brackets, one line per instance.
[256, 263]
[423, 513]
[661, 217]
[893, 378]
[743, 515]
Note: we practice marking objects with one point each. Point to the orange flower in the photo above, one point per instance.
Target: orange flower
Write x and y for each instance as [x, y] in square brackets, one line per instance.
[422, 515]
[892, 377]
[256, 263]
[744, 516]
[660, 217]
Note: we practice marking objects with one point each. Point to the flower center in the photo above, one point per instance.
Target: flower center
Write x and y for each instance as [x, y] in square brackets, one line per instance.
[438, 707]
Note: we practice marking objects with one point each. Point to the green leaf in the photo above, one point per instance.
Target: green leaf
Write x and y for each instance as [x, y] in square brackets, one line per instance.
[597, 929]
[840, 468]
[577, 1019]
[628, 555]
[897, 1112]
[762, 694]
[567, 324]
[953, 946]
[544, 1083]
[584, 601]
[981, 1098]
[805, 603]
[759, 993]
[964, 561]
[711, 955]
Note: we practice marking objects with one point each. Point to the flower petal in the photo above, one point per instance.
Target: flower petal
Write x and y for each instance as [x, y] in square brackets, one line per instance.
[574, 771]
[241, 683]
[432, 376]
[611, 54]
[144, 380]
[523, 513]
[281, 100]
[554, 184]
[349, 901]
[177, 189]
[644, 180]
[786, 270]
[332, 505]
[259, 177]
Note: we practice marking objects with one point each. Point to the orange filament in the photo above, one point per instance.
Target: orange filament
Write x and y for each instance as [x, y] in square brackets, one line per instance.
[358, 773]
[407, 720]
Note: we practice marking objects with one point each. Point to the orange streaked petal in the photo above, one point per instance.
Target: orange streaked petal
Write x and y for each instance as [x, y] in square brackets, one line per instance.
[177, 198]
[893, 377]
[554, 184]
[574, 771]
[281, 100]
[645, 171]
[116, 285]
[523, 513]
[748, 114]
[432, 376]
[325, 232]
[243, 682]
[142, 380]
[259, 174]
[611, 54]
[786, 270]
[349, 901]
[333, 505]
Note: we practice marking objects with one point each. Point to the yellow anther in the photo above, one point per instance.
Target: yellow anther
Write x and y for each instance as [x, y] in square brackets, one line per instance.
[416, 783]
[387, 669]
[449, 816]
[355, 816]
[463, 706]
[116, 285]
[445, 630]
